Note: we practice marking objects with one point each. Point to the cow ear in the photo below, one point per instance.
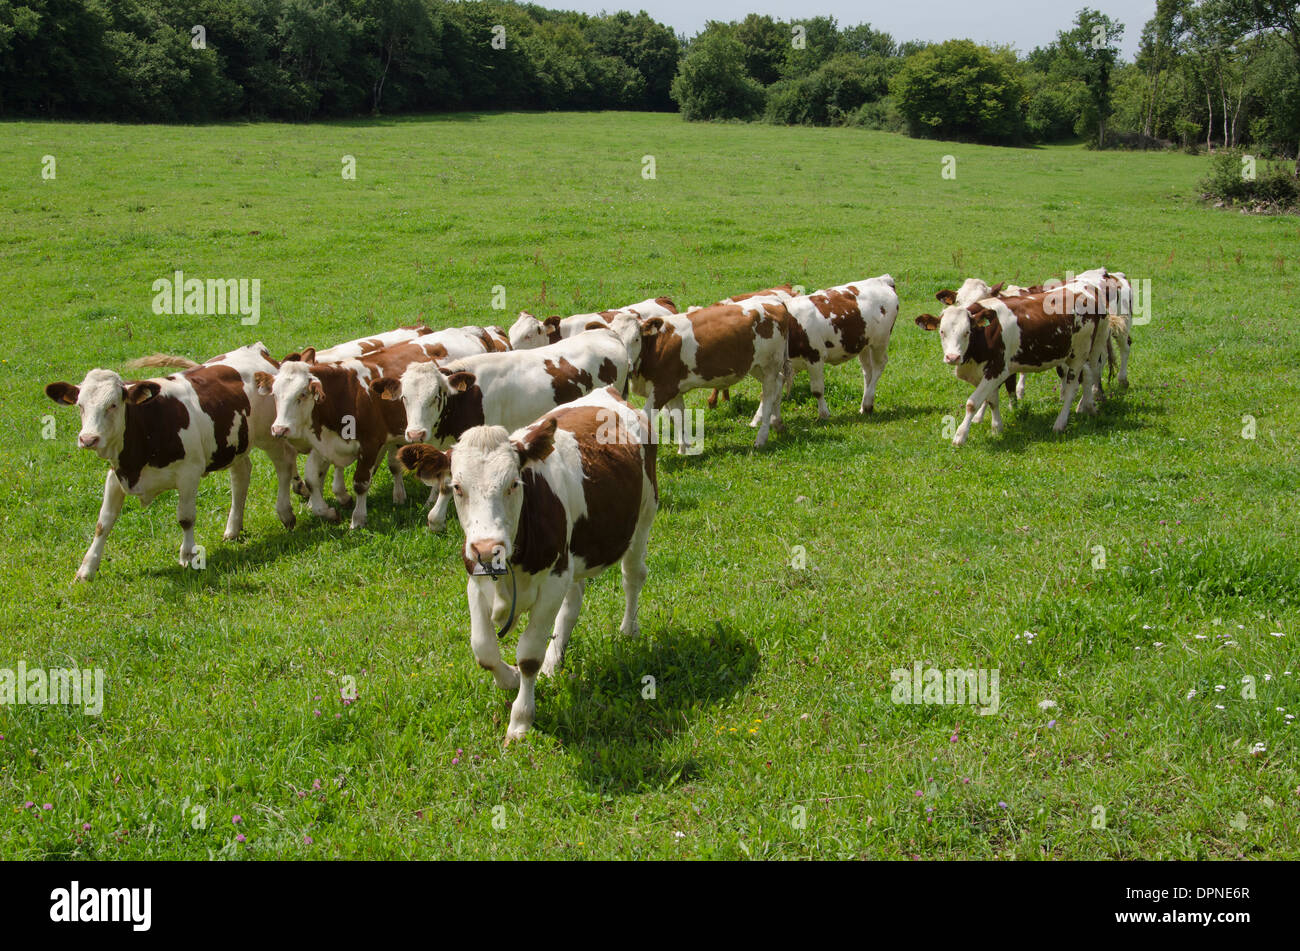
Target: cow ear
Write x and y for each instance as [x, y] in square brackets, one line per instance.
[947, 296]
[138, 393]
[667, 303]
[317, 391]
[537, 442]
[596, 325]
[996, 289]
[928, 322]
[428, 464]
[460, 380]
[292, 357]
[651, 326]
[308, 355]
[980, 315]
[386, 388]
[263, 381]
[552, 322]
[64, 393]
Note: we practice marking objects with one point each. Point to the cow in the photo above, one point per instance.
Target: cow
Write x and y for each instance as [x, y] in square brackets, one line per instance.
[528, 332]
[507, 389]
[989, 340]
[451, 343]
[169, 432]
[455, 341]
[715, 347]
[327, 409]
[782, 291]
[834, 325]
[545, 509]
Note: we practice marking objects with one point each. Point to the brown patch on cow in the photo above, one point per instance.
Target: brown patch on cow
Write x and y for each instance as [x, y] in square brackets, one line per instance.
[64, 393]
[667, 304]
[607, 372]
[428, 463]
[151, 437]
[437, 352]
[611, 484]
[841, 309]
[568, 382]
[221, 394]
[947, 296]
[463, 410]
[725, 338]
[540, 541]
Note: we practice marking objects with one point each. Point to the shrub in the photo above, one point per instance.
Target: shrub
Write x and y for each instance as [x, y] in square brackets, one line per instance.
[711, 82]
[1273, 182]
[960, 89]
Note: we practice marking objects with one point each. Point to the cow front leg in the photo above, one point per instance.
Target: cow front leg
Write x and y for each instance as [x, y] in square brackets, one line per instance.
[241, 470]
[564, 623]
[677, 420]
[1069, 386]
[985, 391]
[995, 416]
[531, 652]
[109, 509]
[1020, 387]
[440, 496]
[873, 360]
[399, 486]
[340, 486]
[635, 571]
[483, 642]
[285, 459]
[817, 382]
[186, 511]
[361, 476]
[313, 473]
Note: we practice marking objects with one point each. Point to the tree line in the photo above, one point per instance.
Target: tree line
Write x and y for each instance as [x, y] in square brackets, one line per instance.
[1208, 73]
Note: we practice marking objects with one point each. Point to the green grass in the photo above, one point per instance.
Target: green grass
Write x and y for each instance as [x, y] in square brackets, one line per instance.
[773, 684]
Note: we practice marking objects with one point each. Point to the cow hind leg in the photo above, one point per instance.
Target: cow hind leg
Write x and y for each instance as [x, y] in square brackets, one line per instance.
[635, 571]
[873, 360]
[564, 624]
[109, 510]
[340, 486]
[361, 477]
[285, 459]
[1069, 386]
[769, 403]
[817, 383]
[241, 470]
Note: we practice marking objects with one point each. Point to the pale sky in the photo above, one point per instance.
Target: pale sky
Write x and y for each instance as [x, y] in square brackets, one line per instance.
[1022, 23]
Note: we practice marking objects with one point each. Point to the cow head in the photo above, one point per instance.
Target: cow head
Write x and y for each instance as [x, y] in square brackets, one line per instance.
[486, 470]
[955, 326]
[528, 332]
[102, 400]
[296, 391]
[424, 389]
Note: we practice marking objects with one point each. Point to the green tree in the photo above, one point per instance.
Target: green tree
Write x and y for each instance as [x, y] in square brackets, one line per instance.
[1089, 53]
[959, 89]
[712, 83]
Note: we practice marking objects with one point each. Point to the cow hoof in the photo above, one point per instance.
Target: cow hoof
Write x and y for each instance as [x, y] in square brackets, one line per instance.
[300, 487]
[289, 521]
[437, 526]
[868, 410]
[345, 499]
[823, 414]
[231, 536]
[357, 523]
[329, 515]
[958, 440]
[630, 630]
[83, 575]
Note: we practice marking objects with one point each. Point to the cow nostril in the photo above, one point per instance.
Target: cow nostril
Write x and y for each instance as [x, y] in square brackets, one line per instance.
[414, 435]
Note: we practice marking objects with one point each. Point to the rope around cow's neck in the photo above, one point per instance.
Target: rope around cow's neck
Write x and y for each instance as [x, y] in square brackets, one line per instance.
[514, 592]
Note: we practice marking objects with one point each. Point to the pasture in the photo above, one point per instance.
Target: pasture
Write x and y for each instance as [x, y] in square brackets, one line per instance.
[771, 732]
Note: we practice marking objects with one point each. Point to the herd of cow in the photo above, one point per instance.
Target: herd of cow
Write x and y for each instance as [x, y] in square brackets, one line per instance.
[529, 430]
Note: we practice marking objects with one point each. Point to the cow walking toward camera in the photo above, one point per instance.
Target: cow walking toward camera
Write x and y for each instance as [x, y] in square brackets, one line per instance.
[990, 340]
[545, 509]
[169, 432]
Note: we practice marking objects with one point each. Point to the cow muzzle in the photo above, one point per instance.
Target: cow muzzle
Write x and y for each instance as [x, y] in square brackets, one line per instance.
[279, 432]
[416, 435]
[87, 440]
[951, 358]
[488, 557]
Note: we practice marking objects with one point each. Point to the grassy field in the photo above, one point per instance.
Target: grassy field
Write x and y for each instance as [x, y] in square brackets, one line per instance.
[772, 732]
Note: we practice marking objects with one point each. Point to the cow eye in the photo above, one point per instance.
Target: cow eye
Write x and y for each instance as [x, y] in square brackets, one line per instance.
[456, 486]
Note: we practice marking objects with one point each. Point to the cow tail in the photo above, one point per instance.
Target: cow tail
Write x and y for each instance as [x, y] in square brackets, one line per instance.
[160, 360]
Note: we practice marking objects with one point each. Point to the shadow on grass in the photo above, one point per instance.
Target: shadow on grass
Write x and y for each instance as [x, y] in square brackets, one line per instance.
[615, 735]
[1029, 422]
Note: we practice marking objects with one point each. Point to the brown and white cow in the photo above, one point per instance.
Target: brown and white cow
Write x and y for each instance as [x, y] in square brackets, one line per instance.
[781, 291]
[715, 347]
[507, 389]
[528, 332]
[834, 325]
[451, 343]
[169, 432]
[456, 342]
[328, 410]
[989, 340]
[545, 509]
